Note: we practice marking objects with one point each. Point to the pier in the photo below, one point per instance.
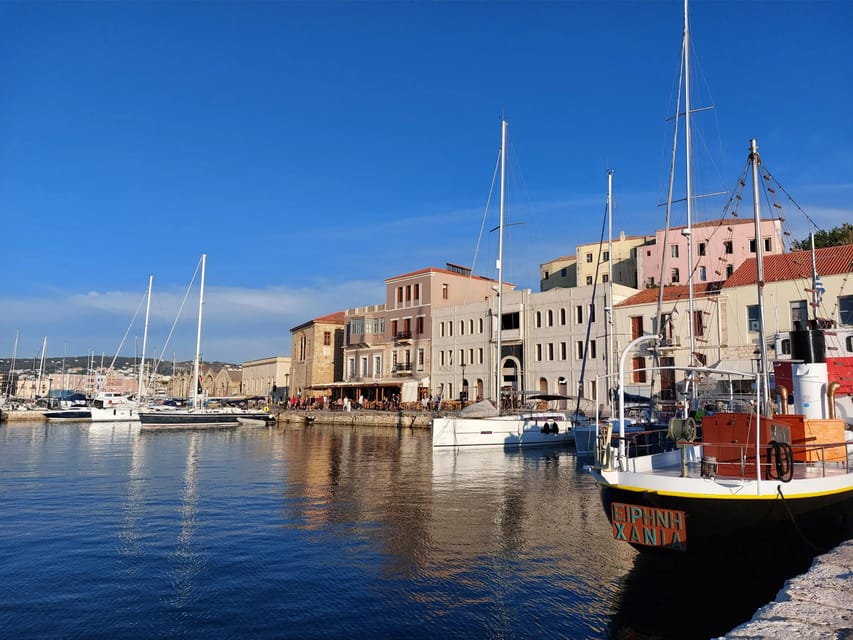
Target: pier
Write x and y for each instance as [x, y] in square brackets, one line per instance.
[815, 604]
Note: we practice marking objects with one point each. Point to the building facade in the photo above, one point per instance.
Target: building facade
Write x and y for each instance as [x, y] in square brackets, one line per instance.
[267, 377]
[316, 349]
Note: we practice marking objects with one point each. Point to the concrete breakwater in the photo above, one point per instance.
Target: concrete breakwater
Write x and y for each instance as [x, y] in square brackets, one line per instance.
[815, 604]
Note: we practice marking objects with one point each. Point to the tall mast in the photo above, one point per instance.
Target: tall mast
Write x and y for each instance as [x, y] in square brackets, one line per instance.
[608, 307]
[816, 294]
[688, 231]
[140, 388]
[12, 367]
[498, 376]
[198, 334]
[762, 391]
[41, 365]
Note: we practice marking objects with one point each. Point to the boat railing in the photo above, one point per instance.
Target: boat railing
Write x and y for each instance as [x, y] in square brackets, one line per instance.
[776, 460]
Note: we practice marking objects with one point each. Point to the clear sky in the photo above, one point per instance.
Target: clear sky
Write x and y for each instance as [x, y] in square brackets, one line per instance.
[313, 149]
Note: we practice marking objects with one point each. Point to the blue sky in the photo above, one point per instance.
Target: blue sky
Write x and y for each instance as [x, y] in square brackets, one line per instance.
[313, 149]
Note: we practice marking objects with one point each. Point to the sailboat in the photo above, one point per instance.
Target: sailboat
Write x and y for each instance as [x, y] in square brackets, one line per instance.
[740, 479]
[752, 480]
[196, 415]
[481, 424]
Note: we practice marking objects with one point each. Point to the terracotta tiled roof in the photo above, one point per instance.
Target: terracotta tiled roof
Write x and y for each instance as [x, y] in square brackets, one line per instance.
[333, 318]
[676, 292]
[795, 265]
[437, 270]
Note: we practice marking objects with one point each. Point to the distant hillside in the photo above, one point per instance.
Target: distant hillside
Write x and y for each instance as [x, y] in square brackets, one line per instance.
[81, 363]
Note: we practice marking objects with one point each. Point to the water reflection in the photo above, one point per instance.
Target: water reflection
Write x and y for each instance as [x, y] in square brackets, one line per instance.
[342, 532]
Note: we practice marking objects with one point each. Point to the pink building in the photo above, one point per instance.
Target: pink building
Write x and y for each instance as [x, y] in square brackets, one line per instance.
[719, 247]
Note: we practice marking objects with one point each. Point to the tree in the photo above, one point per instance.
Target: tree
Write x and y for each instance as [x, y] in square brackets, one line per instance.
[835, 237]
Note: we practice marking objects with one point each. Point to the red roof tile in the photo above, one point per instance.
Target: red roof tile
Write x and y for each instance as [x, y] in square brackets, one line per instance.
[676, 292]
[795, 265]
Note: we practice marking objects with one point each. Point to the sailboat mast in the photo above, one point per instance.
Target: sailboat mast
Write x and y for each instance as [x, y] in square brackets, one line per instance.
[41, 366]
[9, 392]
[198, 334]
[688, 231]
[608, 307]
[140, 388]
[498, 376]
[762, 391]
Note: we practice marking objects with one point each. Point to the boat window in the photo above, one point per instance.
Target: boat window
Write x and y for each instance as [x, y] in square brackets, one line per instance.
[845, 310]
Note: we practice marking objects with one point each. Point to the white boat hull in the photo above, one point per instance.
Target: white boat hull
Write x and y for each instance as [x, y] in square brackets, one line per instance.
[533, 430]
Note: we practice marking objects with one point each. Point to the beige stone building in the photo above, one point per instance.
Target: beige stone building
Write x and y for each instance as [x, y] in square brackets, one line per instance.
[316, 350]
[387, 349]
[559, 272]
[596, 265]
[268, 377]
[726, 316]
[543, 342]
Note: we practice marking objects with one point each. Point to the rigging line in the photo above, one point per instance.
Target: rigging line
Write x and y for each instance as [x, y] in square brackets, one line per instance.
[486, 213]
[794, 520]
[174, 323]
[592, 311]
[790, 197]
[659, 309]
[129, 327]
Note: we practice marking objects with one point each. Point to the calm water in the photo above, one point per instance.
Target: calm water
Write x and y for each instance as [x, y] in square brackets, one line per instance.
[323, 532]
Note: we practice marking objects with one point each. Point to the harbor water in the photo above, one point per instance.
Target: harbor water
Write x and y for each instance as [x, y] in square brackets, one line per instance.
[107, 531]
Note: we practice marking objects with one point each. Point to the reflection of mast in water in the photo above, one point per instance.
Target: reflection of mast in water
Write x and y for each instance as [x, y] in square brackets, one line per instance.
[187, 559]
[129, 535]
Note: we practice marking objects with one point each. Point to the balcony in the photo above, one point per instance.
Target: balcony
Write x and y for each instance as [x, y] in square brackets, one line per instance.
[402, 369]
[403, 337]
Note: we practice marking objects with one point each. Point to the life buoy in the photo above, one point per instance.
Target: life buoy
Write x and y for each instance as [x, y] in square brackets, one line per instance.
[266, 409]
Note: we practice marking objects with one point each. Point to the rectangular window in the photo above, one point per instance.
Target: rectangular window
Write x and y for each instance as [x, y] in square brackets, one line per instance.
[377, 366]
[703, 274]
[605, 278]
[589, 279]
[729, 248]
[589, 257]
[363, 362]
[636, 327]
[752, 246]
[579, 314]
[351, 367]
[752, 317]
[327, 338]
[420, 359]
[538, 352]
[408, 293]
[675, 276]
[480, 355]
[550, 351]
[729, 270]
[399, 294]
[698, 324]
[767, 244]
[441, 358]
[444, 292]
[799, 314]
[510, 321]
[639, 372]
[579, 350]
[605, 256]
[674, 250]
[845, 310]
[393, 328]
[564, 350]
[417, 291]
[419, 325]
[701, 248]
[592, 349]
